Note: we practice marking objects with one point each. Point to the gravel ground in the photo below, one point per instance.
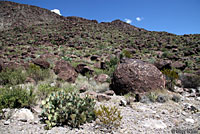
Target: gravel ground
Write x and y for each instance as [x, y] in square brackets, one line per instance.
[138, 118]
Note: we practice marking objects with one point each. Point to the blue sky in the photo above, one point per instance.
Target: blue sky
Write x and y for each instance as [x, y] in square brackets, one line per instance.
[174, 16]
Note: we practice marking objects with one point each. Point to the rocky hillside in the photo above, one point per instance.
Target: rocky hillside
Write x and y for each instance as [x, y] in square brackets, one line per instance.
[35, 29]
[65, 73]
[15, 15]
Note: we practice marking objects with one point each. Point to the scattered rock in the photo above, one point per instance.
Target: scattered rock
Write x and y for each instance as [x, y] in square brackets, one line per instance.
[102, 78]
[109, 92]
[161, 99]
[30, 80]
[178, 89]
[103, 97]
[178, 65]
[123, 103]
[23, 115]
[189, 120]
[190, 80]
[190, 107]
[42, 63]
[83, 89]
[7, 122]
[136, 76]
[83, 69]
[144, 99]
[161, 64]
[65, 71]
[154, 124]
[92, 94]
[176, 98]
[94, 57]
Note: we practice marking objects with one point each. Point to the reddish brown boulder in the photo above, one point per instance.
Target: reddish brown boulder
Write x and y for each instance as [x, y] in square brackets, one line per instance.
[42, 63]
[136, 76]
[161, 64]
[83, 69]
[65, 71]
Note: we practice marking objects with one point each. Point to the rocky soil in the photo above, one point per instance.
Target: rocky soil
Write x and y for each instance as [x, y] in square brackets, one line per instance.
[138, 118]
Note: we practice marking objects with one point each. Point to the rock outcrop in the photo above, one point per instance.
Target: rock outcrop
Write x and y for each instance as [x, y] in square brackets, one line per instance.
[136, 76]
[42, 63]
[65, 71]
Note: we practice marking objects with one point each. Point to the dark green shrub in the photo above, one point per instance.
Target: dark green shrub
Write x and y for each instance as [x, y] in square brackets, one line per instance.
[45, 89]
[109, 116]
[111, 66]
[125, 54]
[16, 97]
[152, 96]
[62, 108]
[12, 77]
[68, 59]
[37, 73]
[171, 76]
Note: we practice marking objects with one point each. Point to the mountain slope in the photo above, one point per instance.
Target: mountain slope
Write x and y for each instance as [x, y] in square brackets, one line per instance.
[14, 14]
[78, 37]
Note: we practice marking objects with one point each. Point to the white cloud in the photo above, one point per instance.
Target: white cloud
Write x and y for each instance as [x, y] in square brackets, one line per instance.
[128, 21]
[139, 18]
[56, 11]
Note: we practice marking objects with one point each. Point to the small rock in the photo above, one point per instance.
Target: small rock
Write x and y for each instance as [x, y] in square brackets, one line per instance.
[102, 97]
[178, 89]
[7, 122]
[83, 89]
[23, 115]
[92, 94]
[154, 124]
[102, 78]
[144, 99]
[176, 98]
[161, 99]
[189, 120]
[109, 92]
[123, 103]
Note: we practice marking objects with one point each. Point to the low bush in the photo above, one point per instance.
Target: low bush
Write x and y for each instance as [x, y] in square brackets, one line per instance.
[12, 77]
[45, 89]
[111, 66]
[37, 73]
[66, 108]
[108, 116]
[16, 97]
[171, 76]
[125, 54]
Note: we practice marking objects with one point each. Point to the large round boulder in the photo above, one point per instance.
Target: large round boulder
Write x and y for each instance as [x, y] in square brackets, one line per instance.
[137, 77]
[65, 71]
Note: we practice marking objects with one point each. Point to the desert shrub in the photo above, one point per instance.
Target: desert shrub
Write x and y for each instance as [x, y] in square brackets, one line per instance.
[111, 66]
[67, 108]
[16, 97]
[125, 54]
[68, 59]
[152, 96]
[37, 73]
[12, 77]
[108, 116]
[167, 54]
[45, 89]
[171, 76]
